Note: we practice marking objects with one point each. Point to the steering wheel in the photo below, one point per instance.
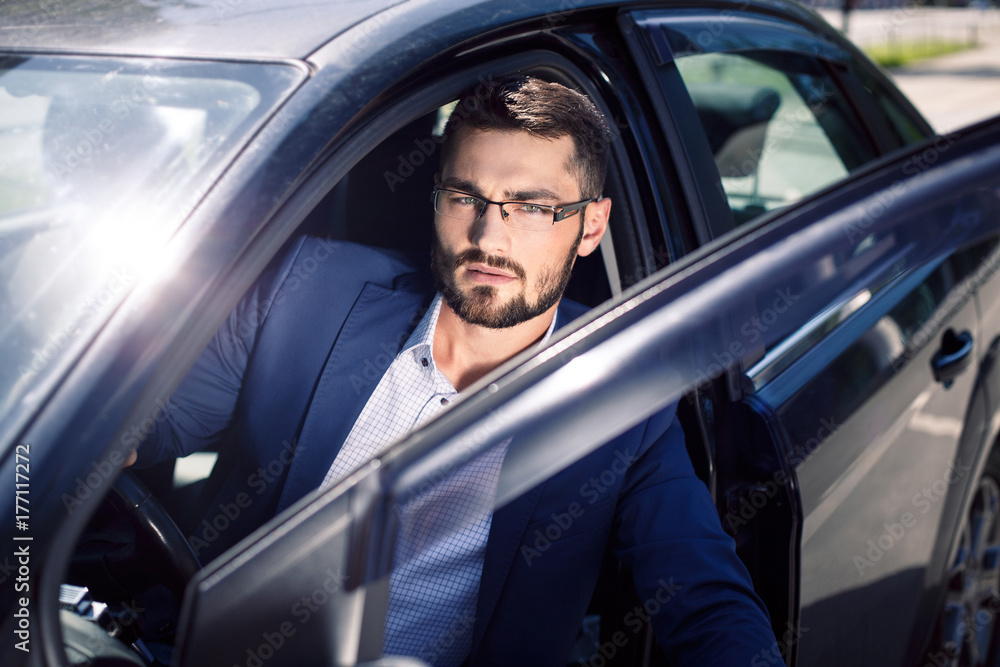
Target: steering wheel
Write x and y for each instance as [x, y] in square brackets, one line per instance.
[138, 548]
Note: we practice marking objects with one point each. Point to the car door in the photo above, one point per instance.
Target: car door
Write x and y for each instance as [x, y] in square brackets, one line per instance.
[331, 552]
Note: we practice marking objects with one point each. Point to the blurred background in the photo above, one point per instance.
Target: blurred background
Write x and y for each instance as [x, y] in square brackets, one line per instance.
[945, 56]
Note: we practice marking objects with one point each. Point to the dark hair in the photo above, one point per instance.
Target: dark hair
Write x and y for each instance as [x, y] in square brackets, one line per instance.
[548, 110]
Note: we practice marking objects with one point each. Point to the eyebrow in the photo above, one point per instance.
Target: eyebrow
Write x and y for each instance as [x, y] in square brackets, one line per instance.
[509, 195]
[464, 186]
[531, 195]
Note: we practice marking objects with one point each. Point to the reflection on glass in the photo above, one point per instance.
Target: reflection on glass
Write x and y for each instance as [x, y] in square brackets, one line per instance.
[99, 163]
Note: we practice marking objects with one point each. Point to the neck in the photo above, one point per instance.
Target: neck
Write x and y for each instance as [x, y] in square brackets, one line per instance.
[466, 352]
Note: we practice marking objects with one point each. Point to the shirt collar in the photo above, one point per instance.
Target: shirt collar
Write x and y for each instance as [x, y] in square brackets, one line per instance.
[423, 335]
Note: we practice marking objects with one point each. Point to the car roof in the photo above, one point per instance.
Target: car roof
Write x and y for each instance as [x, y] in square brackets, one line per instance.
[199, 28]
[257, 29]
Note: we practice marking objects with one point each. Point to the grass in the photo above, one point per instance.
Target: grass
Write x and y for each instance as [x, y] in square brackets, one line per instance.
[15, 196]
[897, 54]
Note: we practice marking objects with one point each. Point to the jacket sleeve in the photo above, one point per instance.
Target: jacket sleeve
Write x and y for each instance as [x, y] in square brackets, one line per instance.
[204, 404]
[696, 591]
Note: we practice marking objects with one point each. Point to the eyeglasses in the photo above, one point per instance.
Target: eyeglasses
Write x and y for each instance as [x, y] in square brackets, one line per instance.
[517, 214]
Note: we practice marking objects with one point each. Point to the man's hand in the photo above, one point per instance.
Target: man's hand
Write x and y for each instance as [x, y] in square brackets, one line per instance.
[132, 456]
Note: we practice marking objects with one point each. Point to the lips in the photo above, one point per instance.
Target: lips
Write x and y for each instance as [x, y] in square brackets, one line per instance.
[488, 275]
[489, 270]
[479, 267]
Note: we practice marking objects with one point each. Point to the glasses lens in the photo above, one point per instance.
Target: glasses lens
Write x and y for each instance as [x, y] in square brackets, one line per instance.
[457, 205]
[532, 217]
[519, 215]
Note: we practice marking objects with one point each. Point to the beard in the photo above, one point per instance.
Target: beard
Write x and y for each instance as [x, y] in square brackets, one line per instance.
[480, 305]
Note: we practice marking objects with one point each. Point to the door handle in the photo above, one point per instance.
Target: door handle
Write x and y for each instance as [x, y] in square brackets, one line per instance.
[953, 357]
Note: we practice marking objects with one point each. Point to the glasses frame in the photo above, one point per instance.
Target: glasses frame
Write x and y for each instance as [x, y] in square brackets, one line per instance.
[558, 212]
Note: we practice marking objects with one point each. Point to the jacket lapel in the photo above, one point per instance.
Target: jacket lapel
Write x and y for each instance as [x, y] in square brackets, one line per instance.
[506, 534]
[373, 333]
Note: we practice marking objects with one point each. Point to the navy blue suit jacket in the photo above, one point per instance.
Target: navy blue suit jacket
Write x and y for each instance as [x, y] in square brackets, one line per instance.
[288, 374]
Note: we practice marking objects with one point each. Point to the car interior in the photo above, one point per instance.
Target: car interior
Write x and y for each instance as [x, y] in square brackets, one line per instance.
[385, 201]
[761, 109]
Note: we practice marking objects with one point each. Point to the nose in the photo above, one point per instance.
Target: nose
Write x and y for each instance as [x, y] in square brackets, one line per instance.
[490, 233]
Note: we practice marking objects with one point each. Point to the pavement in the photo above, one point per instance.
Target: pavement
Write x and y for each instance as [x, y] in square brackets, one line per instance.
[951, 91]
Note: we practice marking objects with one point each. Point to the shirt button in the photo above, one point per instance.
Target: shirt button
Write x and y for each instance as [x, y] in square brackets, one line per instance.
[444, 401]
[424, 362]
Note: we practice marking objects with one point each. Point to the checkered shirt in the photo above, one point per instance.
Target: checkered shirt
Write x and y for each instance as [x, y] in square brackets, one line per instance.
[439, 555]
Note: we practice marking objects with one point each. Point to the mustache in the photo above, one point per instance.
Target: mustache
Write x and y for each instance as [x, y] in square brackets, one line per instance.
[477, 256]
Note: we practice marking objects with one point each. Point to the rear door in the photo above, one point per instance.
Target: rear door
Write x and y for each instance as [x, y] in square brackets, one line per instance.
[770, 111]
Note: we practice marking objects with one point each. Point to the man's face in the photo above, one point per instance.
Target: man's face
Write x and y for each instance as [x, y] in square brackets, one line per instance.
[491, 274]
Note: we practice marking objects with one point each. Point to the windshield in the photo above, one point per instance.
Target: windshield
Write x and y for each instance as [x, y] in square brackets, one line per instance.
[100, 161]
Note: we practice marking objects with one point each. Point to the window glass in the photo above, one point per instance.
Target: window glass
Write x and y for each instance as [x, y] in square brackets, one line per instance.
[777, 125]
[100, 161]
[899, 121]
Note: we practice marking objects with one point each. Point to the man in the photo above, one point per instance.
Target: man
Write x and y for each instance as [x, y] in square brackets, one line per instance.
[345, 358]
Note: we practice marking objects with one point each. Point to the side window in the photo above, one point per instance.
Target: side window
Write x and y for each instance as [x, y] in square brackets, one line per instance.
[766, 111]
[777, 124]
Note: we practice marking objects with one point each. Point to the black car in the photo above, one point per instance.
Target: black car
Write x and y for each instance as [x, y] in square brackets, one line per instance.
[793, 256]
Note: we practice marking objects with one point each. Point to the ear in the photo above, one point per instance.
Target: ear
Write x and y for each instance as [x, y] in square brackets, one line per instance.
[595, 223]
